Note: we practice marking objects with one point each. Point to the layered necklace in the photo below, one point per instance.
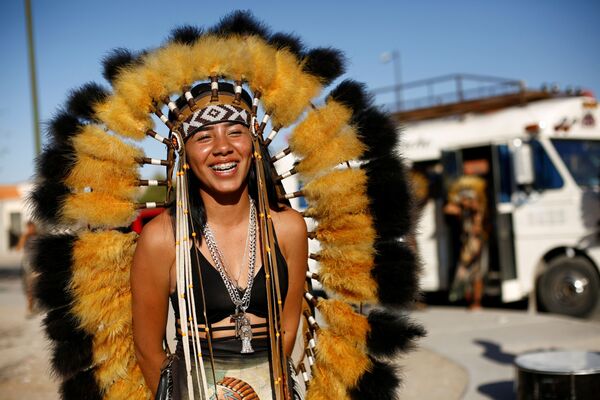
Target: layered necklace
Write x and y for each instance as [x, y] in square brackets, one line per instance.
[243, 328]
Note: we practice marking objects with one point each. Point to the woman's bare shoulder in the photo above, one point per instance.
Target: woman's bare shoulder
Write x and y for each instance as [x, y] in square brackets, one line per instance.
[157, 236]
[290, 227]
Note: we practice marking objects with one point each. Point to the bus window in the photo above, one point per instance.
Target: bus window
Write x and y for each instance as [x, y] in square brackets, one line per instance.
[546, 174]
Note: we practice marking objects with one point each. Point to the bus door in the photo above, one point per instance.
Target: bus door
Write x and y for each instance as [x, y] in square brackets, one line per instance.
[504, 276]
[448, 236]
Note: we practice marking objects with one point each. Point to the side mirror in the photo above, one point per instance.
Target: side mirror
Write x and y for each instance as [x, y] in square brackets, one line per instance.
[523, 163]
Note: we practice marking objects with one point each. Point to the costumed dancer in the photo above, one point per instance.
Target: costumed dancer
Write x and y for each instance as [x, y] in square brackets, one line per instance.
[229, 250]
[25, 244]
[467, 201]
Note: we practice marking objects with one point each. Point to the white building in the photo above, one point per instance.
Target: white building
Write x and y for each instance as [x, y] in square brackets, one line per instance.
[14, 214]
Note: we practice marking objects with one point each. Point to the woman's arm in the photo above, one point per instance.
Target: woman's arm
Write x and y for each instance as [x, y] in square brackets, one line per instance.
[150, 286]
[292, 236]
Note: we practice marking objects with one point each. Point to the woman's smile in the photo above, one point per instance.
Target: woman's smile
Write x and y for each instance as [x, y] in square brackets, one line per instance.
[225, 168]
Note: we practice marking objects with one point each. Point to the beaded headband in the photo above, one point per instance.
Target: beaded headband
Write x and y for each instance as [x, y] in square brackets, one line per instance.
[210, 104]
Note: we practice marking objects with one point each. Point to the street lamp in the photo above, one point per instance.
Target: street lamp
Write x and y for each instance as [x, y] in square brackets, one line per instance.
[394, 57]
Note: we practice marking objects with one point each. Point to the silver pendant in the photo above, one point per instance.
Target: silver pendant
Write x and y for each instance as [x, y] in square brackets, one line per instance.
[243, 331]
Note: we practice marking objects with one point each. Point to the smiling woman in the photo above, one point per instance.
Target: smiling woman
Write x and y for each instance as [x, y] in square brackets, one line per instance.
[228, 253]
[231, 294]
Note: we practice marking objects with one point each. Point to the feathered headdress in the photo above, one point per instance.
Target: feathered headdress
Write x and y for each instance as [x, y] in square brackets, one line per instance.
[354, 184]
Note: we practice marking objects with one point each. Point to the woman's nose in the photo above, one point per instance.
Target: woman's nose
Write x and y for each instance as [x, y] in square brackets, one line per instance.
[222, 144]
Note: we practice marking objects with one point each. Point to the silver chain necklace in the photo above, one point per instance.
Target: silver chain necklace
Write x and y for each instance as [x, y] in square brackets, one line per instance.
[243, 328]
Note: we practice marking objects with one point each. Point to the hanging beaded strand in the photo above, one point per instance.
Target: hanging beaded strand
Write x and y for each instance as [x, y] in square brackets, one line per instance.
[184, 280]
[269, 263]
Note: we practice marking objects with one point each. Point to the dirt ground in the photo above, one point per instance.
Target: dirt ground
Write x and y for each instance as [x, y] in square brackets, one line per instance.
[24, 353]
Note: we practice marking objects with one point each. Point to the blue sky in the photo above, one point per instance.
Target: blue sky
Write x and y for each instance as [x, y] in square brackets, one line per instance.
[534, 40]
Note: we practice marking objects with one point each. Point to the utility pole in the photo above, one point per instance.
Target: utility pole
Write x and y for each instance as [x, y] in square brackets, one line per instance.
[33, 79]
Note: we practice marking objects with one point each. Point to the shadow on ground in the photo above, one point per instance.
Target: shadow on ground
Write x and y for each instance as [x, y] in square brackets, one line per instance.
[503, 390]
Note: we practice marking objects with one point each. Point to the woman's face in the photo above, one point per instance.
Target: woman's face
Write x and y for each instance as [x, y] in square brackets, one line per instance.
[220, 156]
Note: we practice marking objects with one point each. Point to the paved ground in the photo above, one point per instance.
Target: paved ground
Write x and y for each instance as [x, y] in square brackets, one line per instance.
[24, 353]
[486, 342]
[467, 355]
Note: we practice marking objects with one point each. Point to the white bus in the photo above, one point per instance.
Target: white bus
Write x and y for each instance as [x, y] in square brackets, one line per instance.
[541, 156]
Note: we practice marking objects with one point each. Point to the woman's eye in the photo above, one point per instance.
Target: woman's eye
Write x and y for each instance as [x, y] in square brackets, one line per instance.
[235, 133]
[202, 138]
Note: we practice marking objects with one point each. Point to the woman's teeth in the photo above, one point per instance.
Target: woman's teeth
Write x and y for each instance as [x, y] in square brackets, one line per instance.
[224, 167]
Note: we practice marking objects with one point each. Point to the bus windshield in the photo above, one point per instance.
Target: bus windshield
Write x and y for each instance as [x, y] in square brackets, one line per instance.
[582, 158]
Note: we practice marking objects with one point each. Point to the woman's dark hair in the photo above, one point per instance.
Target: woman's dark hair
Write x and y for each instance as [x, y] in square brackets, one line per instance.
[197, 210]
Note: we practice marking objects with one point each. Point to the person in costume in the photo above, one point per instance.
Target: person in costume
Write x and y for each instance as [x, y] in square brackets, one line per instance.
[229, 252]
[467, 202]
[28, 274]
[220, 157]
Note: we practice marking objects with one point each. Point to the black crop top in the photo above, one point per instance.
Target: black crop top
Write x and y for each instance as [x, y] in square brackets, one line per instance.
[218, 302]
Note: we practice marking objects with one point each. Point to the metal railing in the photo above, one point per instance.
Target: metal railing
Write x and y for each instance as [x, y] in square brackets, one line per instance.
[447, 89]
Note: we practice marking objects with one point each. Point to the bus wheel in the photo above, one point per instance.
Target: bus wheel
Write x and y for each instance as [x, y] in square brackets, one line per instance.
[570, 286]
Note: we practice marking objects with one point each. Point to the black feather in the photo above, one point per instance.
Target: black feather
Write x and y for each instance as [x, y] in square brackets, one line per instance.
[240, 23]
[62, 127]
[391, 333]
[81, 101]
[52, 290]
[391, 197]
[72, 356]
[53, 260]
[186, 34]
[378, 131]
[381, 382]
[61, 325]
[55, 162]
[116, 60]
[287, 41]
[46, 201]
[353, 95]
[53, 253]
[325, 63]
[82, 386]
[396, 272]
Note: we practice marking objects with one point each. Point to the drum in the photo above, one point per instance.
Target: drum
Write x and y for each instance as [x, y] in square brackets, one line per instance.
[558, 375]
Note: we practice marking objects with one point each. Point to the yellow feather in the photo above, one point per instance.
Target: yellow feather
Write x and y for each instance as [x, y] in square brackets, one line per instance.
[261, 70]
[347, 360]
[346, 270]
[344, 321]
[239, 60]
[111, 360]
[208, 58]
[346, 229]
[93, 141]
[325, 385]
[117, 116]
[175, 63]
[338, 183]
[102, 307]
[100, 284]
[98, 210]
[138, 85]
[103, 176]
[344, 147]
[318, 128]
[132, 388]
[291, 92]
